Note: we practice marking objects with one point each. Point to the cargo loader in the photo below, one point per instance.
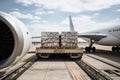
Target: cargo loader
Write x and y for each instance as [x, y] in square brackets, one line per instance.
[55, 43]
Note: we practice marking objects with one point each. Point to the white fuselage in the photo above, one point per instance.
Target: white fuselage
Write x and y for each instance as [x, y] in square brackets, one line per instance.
[113, 36]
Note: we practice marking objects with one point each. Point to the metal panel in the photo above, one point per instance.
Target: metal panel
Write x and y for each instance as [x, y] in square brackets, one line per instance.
[58, 51]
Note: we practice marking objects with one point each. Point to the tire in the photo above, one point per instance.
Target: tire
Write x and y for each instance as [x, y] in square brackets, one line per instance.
[87, 49]
[117, 49]
[93, 49]
[113, 49]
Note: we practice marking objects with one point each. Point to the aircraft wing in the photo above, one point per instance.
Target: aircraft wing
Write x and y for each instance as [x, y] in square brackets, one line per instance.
[89, 35]
[93, 36]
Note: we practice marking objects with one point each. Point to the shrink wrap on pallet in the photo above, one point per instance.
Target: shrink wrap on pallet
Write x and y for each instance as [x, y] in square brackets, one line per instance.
[69, 34]
[50, 39]
[50, 34]
[69, 39]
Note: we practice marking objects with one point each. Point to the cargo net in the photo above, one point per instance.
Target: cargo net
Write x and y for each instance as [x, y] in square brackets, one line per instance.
[69, 39]
[50, 40]
[54, 40]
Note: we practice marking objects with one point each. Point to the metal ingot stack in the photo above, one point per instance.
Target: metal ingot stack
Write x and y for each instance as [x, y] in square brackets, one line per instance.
[69, 39]
[50, 39]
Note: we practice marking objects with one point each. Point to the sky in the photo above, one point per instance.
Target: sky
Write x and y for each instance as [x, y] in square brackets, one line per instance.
[53, 15]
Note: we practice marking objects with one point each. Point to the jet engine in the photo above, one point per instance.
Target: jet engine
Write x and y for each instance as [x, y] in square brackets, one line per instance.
[15, 40]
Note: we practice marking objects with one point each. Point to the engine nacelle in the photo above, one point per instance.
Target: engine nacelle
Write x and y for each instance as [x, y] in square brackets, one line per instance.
[15, 40]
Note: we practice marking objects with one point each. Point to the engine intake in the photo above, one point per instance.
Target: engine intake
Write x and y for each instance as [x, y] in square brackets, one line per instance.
[6, 42]
[15, 40]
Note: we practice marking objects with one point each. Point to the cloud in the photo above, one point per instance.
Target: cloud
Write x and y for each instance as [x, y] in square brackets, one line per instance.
[44, 21]
[118, 10]
[36, 29]
[85, 23]
[42, 12]
[96, 14]
[74, 6]
[82, 23]
[25, 2]
[24, 16]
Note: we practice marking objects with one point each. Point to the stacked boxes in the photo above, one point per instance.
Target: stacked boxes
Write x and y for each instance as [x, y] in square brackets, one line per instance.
[54, 40]
[69, 39]
[50, 39]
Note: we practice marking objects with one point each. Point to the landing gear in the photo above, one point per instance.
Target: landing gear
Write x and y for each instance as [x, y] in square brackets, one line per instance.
[90, 49]
[116, 49]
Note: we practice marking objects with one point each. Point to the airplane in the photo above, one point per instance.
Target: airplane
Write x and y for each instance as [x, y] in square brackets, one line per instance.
[108, 37]
[15, 40]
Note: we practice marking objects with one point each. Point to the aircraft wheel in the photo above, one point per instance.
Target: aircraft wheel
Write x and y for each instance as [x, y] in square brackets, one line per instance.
[113, 49]
[87, 49]
[117, 49]
[93, 49]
